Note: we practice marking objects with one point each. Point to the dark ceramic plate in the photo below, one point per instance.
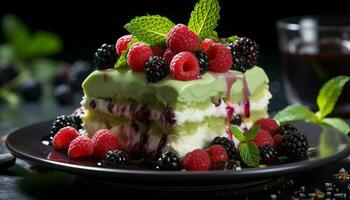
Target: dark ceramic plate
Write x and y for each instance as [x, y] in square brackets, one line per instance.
[326, 146]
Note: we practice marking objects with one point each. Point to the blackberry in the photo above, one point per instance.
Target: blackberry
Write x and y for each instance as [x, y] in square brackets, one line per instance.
[228, 145]
[294, 146]
[105, 56]
[7, 73]
[77, 119]
[245, 53]
[232, 165]
[268, 154]
[203, 61]
[79, 70]
[285, 129]
[60, 122]
[31, 90]
[115, 157]
[236, 120]
[63, 94]
[156, 68]
[168, 161]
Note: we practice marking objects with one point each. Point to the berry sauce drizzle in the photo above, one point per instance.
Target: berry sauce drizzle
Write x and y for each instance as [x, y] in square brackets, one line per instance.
[230, 78]
[161, 144]
[246, 93]
[105, 74]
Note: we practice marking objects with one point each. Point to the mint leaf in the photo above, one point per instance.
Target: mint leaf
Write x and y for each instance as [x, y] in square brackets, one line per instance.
[152, 29]
[239, 135]
[249, 153]
[122, 61]
[338, 124]
[42, 43]
[294, 113]
[204, 18]
[15, 31]
[214, 35]
[329, 94]
[251, 133]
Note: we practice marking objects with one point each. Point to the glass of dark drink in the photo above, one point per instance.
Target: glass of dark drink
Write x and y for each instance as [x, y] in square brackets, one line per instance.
[314, 49]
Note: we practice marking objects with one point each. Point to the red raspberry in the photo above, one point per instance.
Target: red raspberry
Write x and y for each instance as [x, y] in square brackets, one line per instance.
[138, 55]
[184, 66]
[122, 43]
[104, 140]
[157, 50]
[197, 160]
[218, 156]
[263, 138]
[267, 124]
[64, 137]
[80, 147]
[168, 55]
[220, 58]
[206, 43]
[181, 38]
[277, 140]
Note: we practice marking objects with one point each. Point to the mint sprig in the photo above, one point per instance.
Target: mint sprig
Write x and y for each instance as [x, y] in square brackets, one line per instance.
[152, 29]
[122, 60]
[248, 150]
[204, 18]
[326, 100]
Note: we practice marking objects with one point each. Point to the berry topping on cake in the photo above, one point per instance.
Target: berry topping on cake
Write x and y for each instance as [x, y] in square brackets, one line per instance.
[138, 55]
[115, 157]
[168, 161]
[268, 154]
[122, 43]
[202, 61]
[220, 58]
[227, 144]
[81, 147]
[156, 68]
[105, 57]
[197, 160]
[218, 156]
[184, 66]
[168, 55]
[64, 137]
[263, 138]
[104, 140]
[245, 54]
[267, 124]
[236, 120]
[294, 146]
[181, 38]
[206, 43]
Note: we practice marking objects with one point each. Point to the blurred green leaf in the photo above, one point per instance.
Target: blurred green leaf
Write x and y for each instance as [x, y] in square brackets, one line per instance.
[15, 31]
[6, 53]
[43, 43]
[44, 69]
[11, 97]
[338, 124]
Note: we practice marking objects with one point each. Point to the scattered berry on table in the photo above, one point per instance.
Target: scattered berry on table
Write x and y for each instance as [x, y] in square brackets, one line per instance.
[64, 137]
[81, 147]
[30, 90]
[184, 66]
[156, 69]
[122, 43]
[236, 120]
[228, 145]
[232, 165]
[294, 146]
[115, 158]
[7, 73]
[168, 161]
[157, 50]
[104, 140]
[197, 160]
[220, 58]
[63, 94]
[79, 70]
[105, 57]
[61, 122]
[181, 38]
[168, 55]
[62, 76]
[267, 124]
[263, 138]
[202, 61]
[206, 43]
[285, 129]
[245, 54]
[268, 154]
[218, 156]
[138, 55]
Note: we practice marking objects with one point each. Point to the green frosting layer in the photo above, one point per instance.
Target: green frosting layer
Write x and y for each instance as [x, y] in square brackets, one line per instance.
[133, 85]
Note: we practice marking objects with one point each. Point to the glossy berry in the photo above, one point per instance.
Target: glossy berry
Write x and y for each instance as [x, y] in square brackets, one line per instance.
[263, 138]
[78, 71]
[181, 38]
[122, 43]
[61, 122]
[285, 129]
[115, 158]
[104, 140]
[294, 146]
[168, 161]
[64, 137]
[80, 147]
[157, 50]
[232, 165]
[105, 57]
[203, 60]
[268, 154]
[236, 120]
[197, 160]
[30, 90]
[138, 55]
[267, 124]
[245, 54]
[156, 69]
[76, 117]
[206, 43]
[220, 58]
[228, 145]
[168, 55]
[63, 94]
[7, 73]
[184, 66]
[218, 156]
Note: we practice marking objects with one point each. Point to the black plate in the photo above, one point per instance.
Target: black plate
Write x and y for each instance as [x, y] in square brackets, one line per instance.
[326, 146]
